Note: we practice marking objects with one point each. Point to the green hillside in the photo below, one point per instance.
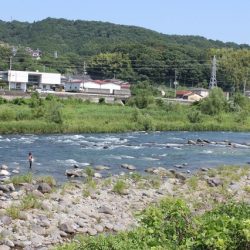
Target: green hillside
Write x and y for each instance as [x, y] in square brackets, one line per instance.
[128, 52]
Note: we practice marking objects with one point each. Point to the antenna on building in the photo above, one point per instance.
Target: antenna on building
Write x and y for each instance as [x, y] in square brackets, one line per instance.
[55, 54]
[213, 81]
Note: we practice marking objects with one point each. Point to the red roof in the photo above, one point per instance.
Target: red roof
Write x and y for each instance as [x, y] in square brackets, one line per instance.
[181, 93]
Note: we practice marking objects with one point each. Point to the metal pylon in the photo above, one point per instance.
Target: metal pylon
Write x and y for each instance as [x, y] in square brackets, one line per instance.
[213, 81]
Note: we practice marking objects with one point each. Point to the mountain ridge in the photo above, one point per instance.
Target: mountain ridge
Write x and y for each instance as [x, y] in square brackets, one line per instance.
[74, 35]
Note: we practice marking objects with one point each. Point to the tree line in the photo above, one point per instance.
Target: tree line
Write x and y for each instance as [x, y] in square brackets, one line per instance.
[126, 52]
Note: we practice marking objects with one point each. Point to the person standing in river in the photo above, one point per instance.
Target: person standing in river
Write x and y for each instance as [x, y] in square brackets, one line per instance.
[30, 159]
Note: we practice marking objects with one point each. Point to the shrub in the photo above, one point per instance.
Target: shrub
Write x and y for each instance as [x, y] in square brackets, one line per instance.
[90, 172]
[119, 187]
[47, 179]
[102, 100]
[30, 201]
[194, 116]
[2, 100]
[7, 114]
[13, 211]
[18, 179]
[18, 101]
[215, 103]
[54, 113]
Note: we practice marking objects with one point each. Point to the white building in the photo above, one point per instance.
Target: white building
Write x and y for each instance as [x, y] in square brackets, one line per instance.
[74, 85]
[22, 80]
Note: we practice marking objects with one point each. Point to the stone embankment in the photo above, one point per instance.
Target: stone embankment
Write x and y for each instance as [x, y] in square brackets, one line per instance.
[38, 215]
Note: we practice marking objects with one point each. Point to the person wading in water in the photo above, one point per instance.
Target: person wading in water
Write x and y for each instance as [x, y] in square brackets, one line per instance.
[30, 159]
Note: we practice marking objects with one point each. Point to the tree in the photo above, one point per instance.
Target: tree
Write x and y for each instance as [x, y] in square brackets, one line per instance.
[215, 103]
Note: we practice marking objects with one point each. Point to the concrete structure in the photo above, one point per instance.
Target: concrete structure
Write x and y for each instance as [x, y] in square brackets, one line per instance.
[97, 86]
[23, 80]
[74, 85]
[192, 97]
[200, 91]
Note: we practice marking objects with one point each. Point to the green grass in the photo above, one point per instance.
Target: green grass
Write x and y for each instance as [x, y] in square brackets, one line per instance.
[18, 179]
[13, 211]
[47, 179]
[81, 117]
[30, 201]
[119, 187]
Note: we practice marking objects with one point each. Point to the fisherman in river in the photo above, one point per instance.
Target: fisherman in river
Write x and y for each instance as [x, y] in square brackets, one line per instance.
[30, 159]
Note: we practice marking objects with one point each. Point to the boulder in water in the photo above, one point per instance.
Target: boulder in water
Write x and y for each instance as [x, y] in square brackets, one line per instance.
[4, 172]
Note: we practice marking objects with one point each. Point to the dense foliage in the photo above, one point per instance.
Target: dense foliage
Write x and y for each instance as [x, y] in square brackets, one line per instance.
[171, 225]
[126, 52]
[144, 111]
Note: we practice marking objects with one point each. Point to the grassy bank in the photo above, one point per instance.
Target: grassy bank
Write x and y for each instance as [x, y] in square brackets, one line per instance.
[52, 115]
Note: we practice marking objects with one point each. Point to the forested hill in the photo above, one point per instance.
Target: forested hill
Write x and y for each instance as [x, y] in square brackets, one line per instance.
[90, 37]
[126, 52]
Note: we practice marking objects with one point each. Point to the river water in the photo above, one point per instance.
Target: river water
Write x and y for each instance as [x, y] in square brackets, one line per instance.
[54, 154]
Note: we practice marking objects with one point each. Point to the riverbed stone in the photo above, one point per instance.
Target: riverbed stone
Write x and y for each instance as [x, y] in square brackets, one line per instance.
[4, 247]
[92, 231]
[4, 172]
[100, 168]
[97, 175]
[214, 182]
[128, 166]
[98, 228]
[105, 210]
[67, 227]
[6, 220]
[4, 188]
[44, 188]
[5, 167]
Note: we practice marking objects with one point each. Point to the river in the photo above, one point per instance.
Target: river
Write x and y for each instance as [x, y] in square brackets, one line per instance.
[54, 154]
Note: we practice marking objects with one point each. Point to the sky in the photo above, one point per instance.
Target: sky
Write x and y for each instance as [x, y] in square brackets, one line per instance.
[224, 20]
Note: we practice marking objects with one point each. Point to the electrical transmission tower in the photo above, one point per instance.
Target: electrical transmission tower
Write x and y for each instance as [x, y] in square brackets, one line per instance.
[213, 81]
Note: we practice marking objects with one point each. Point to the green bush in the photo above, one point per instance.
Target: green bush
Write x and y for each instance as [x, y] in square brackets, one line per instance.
[194, 116]
[7, 114]
[170, 225]
[215, 103]
[54, 112]
[119, 187]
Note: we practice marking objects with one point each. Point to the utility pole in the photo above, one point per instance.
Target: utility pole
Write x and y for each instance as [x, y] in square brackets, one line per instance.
[213, 81]
[9, 74]
[175, 82]
[245, 83]
[84, 71]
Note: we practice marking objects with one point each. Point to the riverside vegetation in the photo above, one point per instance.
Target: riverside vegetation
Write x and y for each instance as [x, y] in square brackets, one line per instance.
[163, 210]
[143, 111]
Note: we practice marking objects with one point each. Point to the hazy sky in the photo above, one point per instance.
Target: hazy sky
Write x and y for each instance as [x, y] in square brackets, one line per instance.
[225, 20]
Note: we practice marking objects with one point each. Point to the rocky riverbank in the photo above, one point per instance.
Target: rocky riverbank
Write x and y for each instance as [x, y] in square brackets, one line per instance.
[35, 214]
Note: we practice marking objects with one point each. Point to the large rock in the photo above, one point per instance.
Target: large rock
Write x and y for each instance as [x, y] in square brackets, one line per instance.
[4, 172]
[44, 188]
[97, 175]
[6, 220]
[158, 171]
[4, 247]
[191, 142]
[100, 168]
[105, 210]
[67, 227]
[4, 188]
[128, 166]
[214, 182]
[5, 167]
[75, 173]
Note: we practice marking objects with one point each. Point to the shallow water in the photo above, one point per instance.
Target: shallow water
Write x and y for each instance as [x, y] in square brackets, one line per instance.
[54, 154]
